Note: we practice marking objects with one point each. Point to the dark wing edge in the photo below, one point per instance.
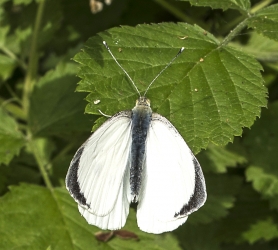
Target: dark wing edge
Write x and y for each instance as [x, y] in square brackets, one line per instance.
[199, 196]
[72, 183]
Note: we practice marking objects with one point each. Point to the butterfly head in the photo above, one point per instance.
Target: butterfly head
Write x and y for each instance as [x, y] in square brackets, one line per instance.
[143, 101]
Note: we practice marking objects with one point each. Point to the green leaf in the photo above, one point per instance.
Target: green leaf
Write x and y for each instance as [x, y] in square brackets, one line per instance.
[3, 179]
[51, 219]
[209, 93]
[221, 190]
[55, 108]
[44, 149]
[19, 41]
[242, 5]
[3, 33]
[26, 2]
[198, 237]
[265, 182]
[16, 173]
[22, 24]
[7, 65]
[2, 10]
[262, 145]
[264, 229]
[261, 47]
[46, 219]
[55, 59]
[51, 21]
[265, 22]
[60, 167]
[217, 159]
[11, 138]
[23, 168]
[246, 246]
[249, 209]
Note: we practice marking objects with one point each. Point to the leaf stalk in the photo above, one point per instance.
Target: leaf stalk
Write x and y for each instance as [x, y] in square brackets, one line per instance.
[234, 32]
[29, 84]
[31, 75]
[180, 14]
[260, 5]
[41, 163]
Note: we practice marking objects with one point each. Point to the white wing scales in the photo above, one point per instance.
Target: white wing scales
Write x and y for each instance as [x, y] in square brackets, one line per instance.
[116, 219]
[168, 180]
[172, 185]
[101, 166]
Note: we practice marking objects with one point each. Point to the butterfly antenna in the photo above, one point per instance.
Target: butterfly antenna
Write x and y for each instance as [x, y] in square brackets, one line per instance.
[106, 46]
[180, 51]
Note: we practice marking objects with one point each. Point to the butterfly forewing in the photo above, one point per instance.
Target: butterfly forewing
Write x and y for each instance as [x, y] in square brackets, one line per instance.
[168, 179]
[101, 165]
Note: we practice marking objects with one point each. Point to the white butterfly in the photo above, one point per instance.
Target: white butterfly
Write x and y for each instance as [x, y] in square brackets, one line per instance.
[136, 156]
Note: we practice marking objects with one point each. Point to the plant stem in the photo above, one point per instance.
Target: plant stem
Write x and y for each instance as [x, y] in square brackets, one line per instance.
[41, 163]
[179, 14]
[232, 24]
[33, 60]
[14, 57]
[260, 5]
[29, 83]
[15, 110]
[243, 24]
[234, 32]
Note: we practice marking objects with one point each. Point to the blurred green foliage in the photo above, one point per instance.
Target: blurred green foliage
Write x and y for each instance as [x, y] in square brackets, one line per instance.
[218, 86]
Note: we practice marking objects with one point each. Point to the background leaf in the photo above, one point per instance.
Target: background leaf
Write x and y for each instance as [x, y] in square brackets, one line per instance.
[55, 216]
[266, 230]
[58, 223]
[64, 114]
[248, 210]
[265, 22]
[218, 159]
[261, 47]
[262, 146]
[7, 66]
[221, 198]
[11, 138]
[225, 4]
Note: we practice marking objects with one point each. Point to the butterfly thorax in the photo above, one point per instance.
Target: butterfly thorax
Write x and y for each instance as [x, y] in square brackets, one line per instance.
[141, 118]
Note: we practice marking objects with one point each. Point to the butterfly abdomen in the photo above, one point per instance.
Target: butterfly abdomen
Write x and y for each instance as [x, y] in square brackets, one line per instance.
[141, 118]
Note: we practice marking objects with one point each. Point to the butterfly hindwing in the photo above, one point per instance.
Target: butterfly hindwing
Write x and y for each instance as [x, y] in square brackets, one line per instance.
[116, 219]
[170, 178]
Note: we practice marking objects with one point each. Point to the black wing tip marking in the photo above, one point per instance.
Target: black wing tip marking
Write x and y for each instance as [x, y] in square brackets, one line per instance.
[199, 196]
[72, 183]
